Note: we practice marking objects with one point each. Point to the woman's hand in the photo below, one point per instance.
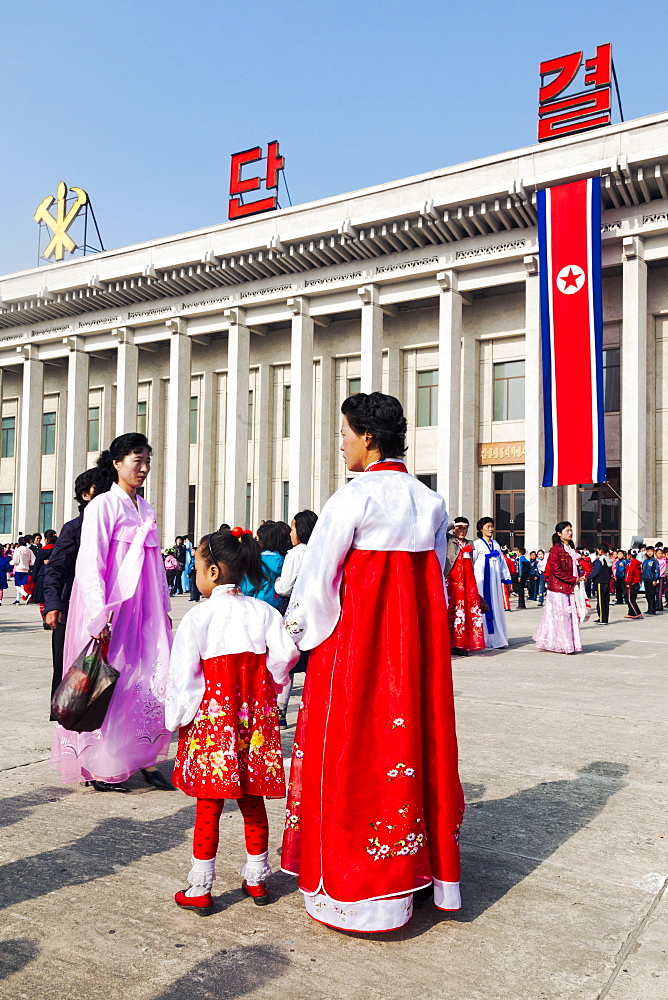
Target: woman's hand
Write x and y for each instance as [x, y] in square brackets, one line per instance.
[104, 634]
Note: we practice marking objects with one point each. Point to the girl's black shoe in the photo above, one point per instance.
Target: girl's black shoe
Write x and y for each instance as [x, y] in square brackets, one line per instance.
[155, 779]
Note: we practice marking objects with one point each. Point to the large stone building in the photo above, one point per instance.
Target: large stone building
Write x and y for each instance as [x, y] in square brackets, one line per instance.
[234, 346]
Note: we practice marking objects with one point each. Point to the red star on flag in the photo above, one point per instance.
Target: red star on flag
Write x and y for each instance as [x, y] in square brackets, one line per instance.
[570, 280]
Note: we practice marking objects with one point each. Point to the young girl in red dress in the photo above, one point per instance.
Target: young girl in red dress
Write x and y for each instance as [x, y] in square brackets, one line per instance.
[231, 656]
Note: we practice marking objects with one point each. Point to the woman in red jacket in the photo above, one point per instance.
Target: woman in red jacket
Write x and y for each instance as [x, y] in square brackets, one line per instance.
[559, 629]
[632, 579]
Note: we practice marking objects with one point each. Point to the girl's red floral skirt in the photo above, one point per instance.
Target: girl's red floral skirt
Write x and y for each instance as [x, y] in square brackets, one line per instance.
[233, 745]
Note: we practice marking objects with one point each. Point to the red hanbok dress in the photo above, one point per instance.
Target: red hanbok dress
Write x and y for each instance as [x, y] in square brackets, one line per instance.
[464, 614]
[230, 656]
[374, 798]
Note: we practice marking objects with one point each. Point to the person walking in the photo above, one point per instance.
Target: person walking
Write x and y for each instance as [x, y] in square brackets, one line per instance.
[632, 580]
[559, 627]
[492, 576]
[523, 572]
[38, 571]
[230, 655]
[600, 576]
[119, 569]
[22, 559]
[374, 801]
[59, 574]
[650, 578]
[541, 563]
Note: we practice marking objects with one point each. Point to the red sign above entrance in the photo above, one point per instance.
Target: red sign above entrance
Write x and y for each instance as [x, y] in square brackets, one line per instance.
[576, 112]
[238, 187]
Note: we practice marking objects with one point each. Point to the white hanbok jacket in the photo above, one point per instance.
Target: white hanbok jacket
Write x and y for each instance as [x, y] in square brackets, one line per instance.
[377, 511]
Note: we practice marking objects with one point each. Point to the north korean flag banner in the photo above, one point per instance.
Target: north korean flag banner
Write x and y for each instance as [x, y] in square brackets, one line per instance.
[571, 320]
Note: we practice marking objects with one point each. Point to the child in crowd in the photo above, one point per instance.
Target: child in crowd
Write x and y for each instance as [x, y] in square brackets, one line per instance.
[632, 579]
[650, 579]
[621, 564]
[599, 578]
[274, 539]
[5, 568]
[663, 562]
[302, 526]
[231, 655]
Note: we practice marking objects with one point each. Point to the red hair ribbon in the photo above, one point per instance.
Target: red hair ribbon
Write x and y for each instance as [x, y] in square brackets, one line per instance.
[237, 532]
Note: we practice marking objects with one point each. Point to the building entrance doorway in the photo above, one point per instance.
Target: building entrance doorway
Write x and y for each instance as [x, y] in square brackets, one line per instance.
[509, 508]
[599, 513]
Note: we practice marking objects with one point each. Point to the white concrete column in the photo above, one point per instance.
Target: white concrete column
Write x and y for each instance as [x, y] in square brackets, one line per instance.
[127, 374]
[156, 436]
[395, 373]
[206, 514]
[467, 499]
[328, 420]
[371, 339]
[540, 512]
[236, 436]
[178, 431]
[263, 436]
[301, 406]
[635, 471]
[30, 440]
[76, 431]
[449, 379]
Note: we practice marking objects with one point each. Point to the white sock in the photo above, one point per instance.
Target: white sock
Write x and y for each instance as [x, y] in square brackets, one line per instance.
[201, 876]
[256, 870]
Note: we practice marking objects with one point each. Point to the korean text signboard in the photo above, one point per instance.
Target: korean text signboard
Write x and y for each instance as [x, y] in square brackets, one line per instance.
[565, 114]
[239, 187]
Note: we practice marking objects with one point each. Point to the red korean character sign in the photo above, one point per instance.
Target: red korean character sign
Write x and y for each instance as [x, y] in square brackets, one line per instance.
[238, 186]
[576, 112]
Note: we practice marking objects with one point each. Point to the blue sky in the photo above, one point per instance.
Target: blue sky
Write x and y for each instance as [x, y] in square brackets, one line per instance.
[141, 103]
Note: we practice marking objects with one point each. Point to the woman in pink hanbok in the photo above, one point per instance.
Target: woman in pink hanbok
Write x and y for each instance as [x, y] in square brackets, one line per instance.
[559, 628]
[119, 569]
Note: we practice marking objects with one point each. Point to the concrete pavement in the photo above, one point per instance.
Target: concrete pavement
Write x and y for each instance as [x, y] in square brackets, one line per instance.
[564, 851]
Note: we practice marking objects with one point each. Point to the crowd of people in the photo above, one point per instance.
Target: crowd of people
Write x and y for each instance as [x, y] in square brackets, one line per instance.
[369, 600]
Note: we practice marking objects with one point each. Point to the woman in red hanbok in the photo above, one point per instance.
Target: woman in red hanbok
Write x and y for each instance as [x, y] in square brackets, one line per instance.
[374, 799]
[464, 614]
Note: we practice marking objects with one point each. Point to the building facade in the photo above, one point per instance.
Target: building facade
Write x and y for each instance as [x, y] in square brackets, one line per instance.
[233, 348]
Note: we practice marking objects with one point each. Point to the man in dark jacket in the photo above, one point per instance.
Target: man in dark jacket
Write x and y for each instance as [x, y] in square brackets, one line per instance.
[59, 576]
[599, 578]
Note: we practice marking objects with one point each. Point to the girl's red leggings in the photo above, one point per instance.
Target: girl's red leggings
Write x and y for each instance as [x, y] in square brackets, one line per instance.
[207, 826]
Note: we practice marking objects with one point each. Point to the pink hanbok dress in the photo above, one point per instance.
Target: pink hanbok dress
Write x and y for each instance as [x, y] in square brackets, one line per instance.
[119, 568]
[559, 627]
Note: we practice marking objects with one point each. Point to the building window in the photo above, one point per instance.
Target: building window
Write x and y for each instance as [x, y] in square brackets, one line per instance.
[251, 415]
[45, 510]
[141, 418]
[286, 502]
[287, 389]
[6, 513]
[354, 386]
[509, 390]
[429, 479]
[49, 435]
[8, 439]
[509, 508]
[611, 380]
[194, 413]
[249, 504]
[427, 399]
[93, 428]
[192, 506]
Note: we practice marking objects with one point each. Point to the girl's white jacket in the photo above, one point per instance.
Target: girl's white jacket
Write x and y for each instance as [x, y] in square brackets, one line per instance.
[229, 622]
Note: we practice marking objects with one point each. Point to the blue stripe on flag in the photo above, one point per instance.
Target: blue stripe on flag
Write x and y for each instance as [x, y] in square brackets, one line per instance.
[546, 347]
[597, 309]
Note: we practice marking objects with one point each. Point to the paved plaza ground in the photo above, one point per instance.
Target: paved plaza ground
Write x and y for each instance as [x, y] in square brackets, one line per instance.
[564, 850]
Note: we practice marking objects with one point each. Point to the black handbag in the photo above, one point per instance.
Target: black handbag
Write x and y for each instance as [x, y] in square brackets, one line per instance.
[83, 696]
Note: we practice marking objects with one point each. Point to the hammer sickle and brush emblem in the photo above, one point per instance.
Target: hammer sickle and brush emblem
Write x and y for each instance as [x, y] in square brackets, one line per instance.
[59, 225]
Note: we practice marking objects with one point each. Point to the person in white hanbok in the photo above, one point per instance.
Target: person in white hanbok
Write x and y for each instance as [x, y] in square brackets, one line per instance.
[491, 573]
